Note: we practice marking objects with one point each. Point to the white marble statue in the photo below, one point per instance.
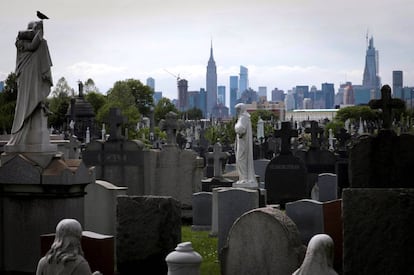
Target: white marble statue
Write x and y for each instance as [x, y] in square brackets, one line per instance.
[244, 149]
[65, 256]
[319, 257]
[34, 79]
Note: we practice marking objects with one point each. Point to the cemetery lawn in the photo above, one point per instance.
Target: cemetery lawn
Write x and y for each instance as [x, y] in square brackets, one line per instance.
[206, 246]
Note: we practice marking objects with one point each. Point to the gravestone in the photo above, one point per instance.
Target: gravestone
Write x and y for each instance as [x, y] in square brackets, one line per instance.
[100, 207]
[217, 159]
[317, 160]
[231, 204]
[262, 241]
[326, 188]
[260, 169]
[313, 217]
[115, 122]
[148, 229]
[378, 206]
[285, 177]
[202, 208]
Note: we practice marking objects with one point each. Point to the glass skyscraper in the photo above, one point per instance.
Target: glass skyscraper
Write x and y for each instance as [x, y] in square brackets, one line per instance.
[234, 89]
[371, 79]
[211, 83]
[243, 80]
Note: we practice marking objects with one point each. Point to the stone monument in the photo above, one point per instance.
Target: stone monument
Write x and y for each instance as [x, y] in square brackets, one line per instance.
[244, 149]
[39, 186]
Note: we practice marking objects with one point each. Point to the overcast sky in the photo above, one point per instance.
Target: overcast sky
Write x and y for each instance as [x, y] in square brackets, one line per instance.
[283, 43]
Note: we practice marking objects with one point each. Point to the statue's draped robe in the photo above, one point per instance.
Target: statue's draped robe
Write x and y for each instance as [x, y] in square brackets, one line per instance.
[79, 266]
[244, 149]
[34, 79]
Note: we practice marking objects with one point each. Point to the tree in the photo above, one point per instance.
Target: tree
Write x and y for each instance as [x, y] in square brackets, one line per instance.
[354, 113]
[265, 115]
[62, 87]
[8, 103]
[90, 87]
[97, 100]
[142, 94]
[163, 107]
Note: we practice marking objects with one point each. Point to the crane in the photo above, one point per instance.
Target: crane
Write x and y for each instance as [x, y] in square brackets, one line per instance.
[176, 76]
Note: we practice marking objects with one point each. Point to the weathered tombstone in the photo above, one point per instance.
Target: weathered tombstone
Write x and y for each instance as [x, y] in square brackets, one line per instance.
[148, 229]
[262, 241]
[378, 206]
[115, 122]
[313, 217]
[319, 257]
[218, 158]
[327, 187]
[100, 207]
[317, 160]
[231, 204]
[202, 208]
[285, 177]
[260, 168]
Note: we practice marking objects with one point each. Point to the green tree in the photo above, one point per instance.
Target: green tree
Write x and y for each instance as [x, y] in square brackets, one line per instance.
[59, 103]
[142, 94]
[62, 87]
[8, 103]
[266, 115]
[354, 113]
[162, 108]
[123, 99]
[97, 100]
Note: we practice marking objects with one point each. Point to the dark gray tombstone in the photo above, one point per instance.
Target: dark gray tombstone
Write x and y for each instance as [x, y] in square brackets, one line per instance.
[326, 188]
[202, 211]
[378, 206]
[260, 168]
[262, 241]
[148, 229]
[285, 177]
[115, 124]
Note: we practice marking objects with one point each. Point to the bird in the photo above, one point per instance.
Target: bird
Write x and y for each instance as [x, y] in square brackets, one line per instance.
[41, 15]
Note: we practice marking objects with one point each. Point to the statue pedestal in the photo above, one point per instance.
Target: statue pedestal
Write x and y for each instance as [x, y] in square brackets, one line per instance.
[33, 199]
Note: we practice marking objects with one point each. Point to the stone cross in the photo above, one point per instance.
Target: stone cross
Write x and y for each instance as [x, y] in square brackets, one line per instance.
[285, 134]
[171, 126]
[386, 104]
[315, 131]
[115, 122]
[343, 136]
[218, 157]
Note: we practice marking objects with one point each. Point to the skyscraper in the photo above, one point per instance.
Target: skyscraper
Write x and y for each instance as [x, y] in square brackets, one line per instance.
[243, 80]
[182, 94]
[211, 82]
[328, 92]
[262, 92]
[221, 95]
[151, 83]
[234, 89]
[397, 84]
[371, 79]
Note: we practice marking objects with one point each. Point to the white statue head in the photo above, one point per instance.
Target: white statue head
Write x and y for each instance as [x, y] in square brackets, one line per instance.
[67, 243]
[240, 108]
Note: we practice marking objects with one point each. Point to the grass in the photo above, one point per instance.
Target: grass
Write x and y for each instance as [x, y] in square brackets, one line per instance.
[206, 246]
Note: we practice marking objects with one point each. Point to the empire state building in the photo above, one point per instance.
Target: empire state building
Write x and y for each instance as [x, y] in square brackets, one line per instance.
[211, 83]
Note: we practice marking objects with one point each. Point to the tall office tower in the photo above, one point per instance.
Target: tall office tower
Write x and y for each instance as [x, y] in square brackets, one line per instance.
[290, 101]
[157, 97]
[371, 79]
[397, 84]
[349, 97]
[211, 83]
[151, 83]
[221, 95]
[302, 92]
[234, 89]
[262, 92]
[182, 94]
[278, 95]
[328, 91]
[243, 80]
[203, 102]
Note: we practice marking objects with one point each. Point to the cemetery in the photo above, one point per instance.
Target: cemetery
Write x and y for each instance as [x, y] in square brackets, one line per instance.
[305, 199]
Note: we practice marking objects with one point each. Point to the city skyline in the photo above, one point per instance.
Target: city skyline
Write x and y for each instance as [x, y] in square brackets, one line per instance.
[282, 43]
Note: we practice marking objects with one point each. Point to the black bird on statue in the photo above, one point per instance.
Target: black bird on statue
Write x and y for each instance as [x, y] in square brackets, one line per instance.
[41, 15]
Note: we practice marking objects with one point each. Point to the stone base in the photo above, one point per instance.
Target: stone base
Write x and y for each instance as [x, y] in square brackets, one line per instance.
[41, 154]
[378, 230]
[207, 185]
